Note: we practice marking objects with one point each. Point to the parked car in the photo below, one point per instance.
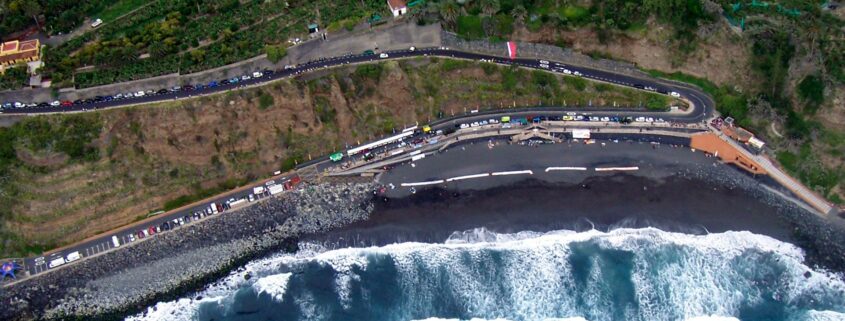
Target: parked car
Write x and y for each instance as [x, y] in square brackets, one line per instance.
[246, 77]
[383, 55]
[77, 102]
[55, 103]
[140, 93]
[674, 94]
[67, 103]
[162, 92]
[43, 105]
[257, 74]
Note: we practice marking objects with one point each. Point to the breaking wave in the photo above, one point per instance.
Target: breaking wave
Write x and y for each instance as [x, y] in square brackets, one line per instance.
[624, 274]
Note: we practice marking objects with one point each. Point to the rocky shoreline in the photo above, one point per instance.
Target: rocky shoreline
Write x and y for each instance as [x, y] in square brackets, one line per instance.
[110, 286]
[166, 267]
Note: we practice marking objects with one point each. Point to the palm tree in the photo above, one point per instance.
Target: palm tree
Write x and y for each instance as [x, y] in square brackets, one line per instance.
[490, 7]
[449, 12]
[519, 13]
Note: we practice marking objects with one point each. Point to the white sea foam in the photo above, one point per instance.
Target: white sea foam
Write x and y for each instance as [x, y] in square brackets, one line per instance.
[712, 318]
[700, 281]
[500, 319]
[273, 285]
[814, 315]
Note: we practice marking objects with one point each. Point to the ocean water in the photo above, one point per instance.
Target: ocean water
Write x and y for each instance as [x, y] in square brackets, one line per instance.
[624, 274]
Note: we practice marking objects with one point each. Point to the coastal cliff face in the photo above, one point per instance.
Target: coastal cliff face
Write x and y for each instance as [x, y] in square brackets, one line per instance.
[147, 158]
[108, 286]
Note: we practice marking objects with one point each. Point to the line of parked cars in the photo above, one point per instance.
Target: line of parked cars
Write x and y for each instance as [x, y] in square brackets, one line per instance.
[137, 94]
[270, 188]
[507, 121]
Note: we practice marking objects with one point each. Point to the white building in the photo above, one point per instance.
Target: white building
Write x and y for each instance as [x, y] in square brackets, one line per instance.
[398, 7]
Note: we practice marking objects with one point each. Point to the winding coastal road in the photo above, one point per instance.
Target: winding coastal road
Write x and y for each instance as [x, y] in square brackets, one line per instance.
[702, 104]
[702, 107]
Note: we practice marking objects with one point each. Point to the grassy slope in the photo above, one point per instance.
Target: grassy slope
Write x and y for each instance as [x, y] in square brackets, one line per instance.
[153, 157]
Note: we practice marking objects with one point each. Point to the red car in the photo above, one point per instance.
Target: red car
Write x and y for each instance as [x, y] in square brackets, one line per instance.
[67, 103]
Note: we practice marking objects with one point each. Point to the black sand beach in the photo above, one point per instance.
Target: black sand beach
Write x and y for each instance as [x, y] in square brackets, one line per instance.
[675, 189]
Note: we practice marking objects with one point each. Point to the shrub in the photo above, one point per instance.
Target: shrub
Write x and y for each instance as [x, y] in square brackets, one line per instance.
[575, 82]
[14, 77]
[275, 53]
[470, 27]
[369, 71]
[811, 90]
[265, 101]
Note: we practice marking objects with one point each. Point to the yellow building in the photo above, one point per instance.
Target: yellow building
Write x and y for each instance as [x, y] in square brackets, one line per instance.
[15, 52]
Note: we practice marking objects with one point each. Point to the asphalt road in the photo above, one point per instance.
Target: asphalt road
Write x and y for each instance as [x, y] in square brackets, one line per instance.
[703, 107]
[702, 103]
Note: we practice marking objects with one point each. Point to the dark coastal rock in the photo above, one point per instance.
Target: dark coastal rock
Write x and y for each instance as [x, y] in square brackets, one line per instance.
[164, 267]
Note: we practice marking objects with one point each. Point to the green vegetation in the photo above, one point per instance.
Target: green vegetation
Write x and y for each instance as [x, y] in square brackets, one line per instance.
[119, 8]
[811, 90]
[200, 193]
[369, 71]
[275, 53]
[470, 27]
[494, 18]
[265, 100]
[728, 101]
[15, 77]
[71, 135]
[186, 36]
[59, 16]
[446, 85]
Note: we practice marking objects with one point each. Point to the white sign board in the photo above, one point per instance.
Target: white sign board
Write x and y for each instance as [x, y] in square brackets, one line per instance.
[581, 133]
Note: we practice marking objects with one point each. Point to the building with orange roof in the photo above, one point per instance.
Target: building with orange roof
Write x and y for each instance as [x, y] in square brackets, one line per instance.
[15, 52]
[397, 7]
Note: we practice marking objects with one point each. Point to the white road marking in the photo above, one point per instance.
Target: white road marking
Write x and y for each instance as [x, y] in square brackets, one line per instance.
[529, 172]
[439, 181]
[609, 169]
[467, 177]
[565, 169]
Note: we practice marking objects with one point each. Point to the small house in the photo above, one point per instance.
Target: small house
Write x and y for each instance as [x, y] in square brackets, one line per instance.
[397, 7]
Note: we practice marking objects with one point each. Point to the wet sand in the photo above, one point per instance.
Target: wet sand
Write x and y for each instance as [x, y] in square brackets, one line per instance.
[606, 202]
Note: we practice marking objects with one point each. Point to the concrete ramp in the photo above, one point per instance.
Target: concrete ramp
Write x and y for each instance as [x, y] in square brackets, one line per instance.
[712, 144]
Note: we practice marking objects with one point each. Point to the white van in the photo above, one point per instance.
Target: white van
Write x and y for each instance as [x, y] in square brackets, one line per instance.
[56, 262]
[73, 256]
[115, 241]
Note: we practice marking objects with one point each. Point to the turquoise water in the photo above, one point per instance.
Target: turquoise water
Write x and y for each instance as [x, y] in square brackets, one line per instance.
[625, 274]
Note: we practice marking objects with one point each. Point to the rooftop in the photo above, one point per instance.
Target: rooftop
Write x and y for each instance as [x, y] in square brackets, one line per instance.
[395, 4]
